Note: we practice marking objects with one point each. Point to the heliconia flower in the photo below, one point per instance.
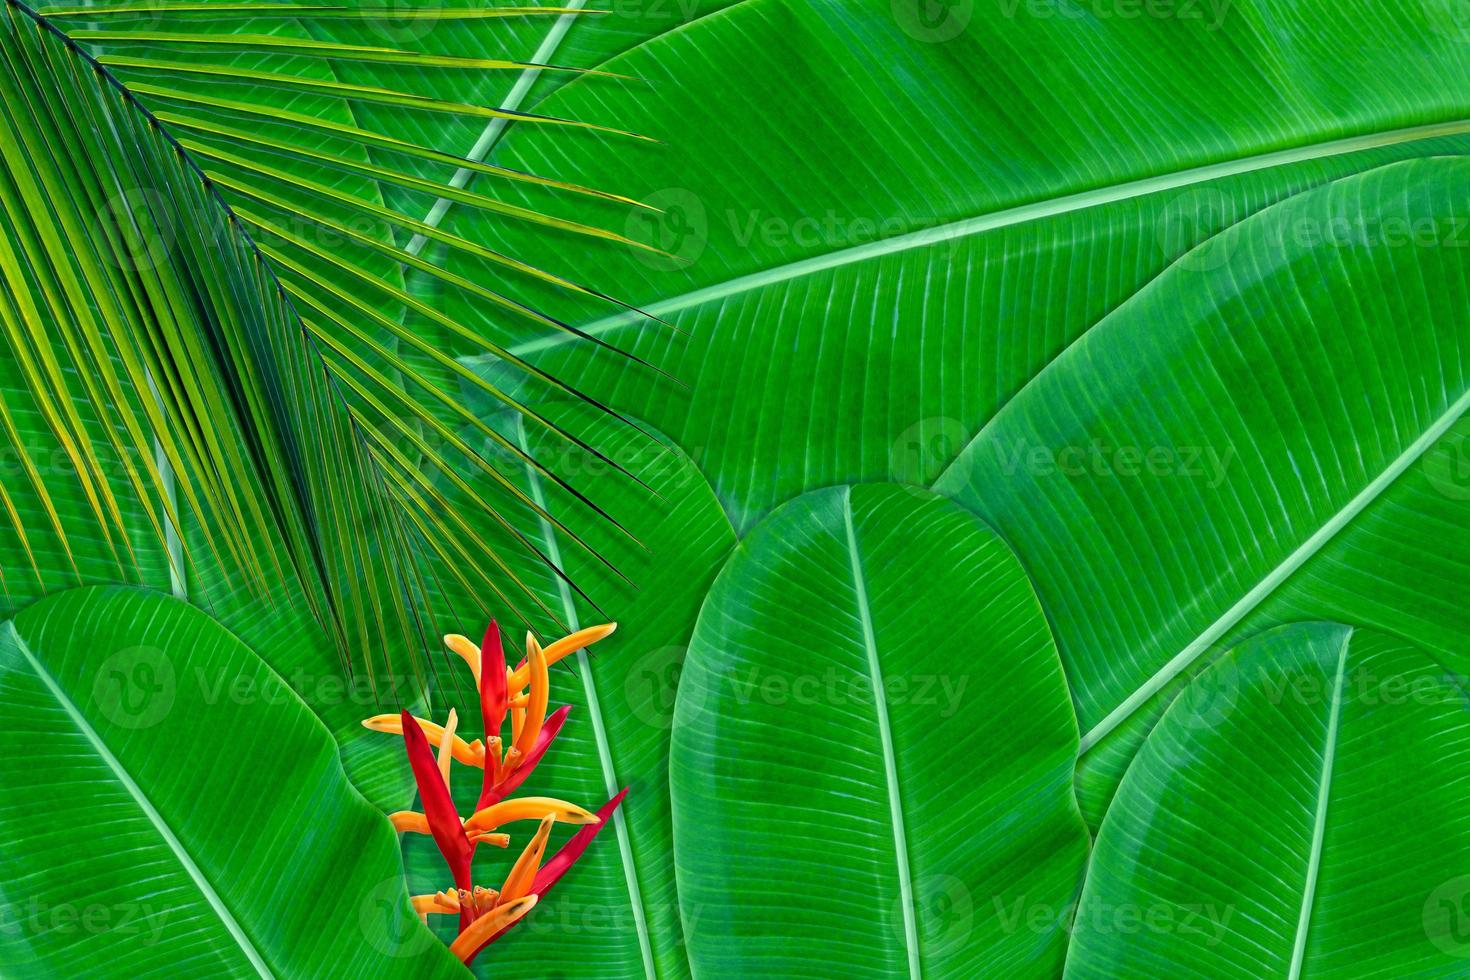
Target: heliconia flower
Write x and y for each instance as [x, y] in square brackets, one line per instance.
[492, 794]
[523, 694]
[562, 649]
[493, 682]
[484, 930]
[470, 753]
[492, 912]
[528, 808]
[552, 871]
[439, 811]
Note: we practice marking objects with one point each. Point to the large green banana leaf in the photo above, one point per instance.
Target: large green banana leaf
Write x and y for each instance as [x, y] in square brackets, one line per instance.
[873, 751]
[1259, 436]
[171, 808]
[879, 238]
[1300, 812]
[616, 914]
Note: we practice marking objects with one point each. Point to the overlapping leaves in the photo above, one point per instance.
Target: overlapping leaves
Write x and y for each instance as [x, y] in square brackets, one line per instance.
[206, 298]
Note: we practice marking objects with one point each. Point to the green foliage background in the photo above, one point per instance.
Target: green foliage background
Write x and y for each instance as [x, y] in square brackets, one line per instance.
[1104, 363]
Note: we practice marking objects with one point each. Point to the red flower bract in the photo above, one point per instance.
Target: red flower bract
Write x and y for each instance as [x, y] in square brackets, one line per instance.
[484, 913]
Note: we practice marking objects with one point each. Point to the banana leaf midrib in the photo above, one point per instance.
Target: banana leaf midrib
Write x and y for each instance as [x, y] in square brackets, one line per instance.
[1278, 575]
[495, 128]
[1008, 217]
[611, 782]
[1319, 821]
[9, 632]
[885, 741]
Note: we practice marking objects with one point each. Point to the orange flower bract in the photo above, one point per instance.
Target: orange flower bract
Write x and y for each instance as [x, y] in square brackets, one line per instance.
[522, 694]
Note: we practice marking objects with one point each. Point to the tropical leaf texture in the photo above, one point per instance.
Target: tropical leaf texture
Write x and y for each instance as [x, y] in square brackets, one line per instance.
[1348, 747]
[988, 250]
[617, 914]
[1299, 442]
[284, 419]
[913, 273]
[879, 289]
[873, 699]
[308, 319]
[182, 812]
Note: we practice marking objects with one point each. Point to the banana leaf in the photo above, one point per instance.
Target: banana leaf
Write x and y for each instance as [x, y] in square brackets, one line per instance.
[1248, 442]
[873, 750]
[877, 239]
[882, 287]
[1298, 812]
[171, 807]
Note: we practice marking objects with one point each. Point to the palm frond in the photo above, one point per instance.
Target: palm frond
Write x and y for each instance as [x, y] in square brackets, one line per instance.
[186, 404]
